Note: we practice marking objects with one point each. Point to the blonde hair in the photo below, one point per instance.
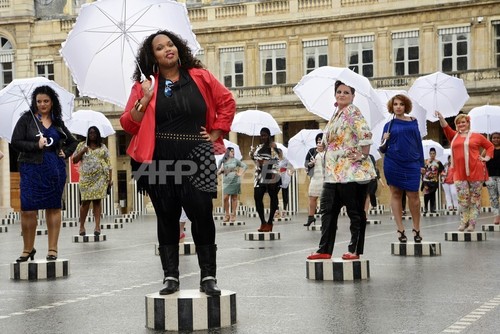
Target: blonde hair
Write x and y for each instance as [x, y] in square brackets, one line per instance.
[404, 98]
[462, 116]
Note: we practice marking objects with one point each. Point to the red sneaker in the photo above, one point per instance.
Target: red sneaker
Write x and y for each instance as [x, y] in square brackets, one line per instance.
[350, 256]
[319, 256]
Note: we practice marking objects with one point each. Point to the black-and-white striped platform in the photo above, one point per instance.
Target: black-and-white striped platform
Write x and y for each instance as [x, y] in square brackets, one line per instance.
[282, 219]
[4, 229]
[450, 213]
[491, 227]
[465, 236]
[235, 223]
[313, 227]
[252, 214]
[262, 236]
[89, 238]
[416, 249]
[337, 270]
[218, 217]
[487, 209]
[39, 269]
[404, 217]
[39, 231]
[374, 221]
[70, 223]
[190, 310]
[120, 220]
[430, 214]
[111, 226]
[185, 248]
[7, 221]
[375, 212]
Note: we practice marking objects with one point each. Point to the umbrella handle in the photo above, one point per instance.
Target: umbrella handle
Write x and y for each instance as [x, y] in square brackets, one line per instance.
[143, 77]
[50, 139]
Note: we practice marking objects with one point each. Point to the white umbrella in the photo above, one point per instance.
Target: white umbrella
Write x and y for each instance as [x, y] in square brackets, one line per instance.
[250, 122]
[101, 49]
[227, 144]
[444, 157]
[15, 99]
[427, 144]
[283, 148]
[439, 92]
[82, 120]
[299, 145]
[316, 91]
[485, 119]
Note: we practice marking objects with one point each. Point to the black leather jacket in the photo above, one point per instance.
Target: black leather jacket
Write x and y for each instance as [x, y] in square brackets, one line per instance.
[25, 141]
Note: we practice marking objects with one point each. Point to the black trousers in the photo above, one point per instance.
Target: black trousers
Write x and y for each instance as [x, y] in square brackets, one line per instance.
[198, 207]
[258, 194]
[333, 197]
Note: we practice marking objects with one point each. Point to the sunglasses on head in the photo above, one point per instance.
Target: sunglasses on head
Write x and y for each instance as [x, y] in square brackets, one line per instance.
[168, 88]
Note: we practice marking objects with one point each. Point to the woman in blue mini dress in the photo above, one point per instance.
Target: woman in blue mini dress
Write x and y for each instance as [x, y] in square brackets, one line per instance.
[403, 163]
[42, 167]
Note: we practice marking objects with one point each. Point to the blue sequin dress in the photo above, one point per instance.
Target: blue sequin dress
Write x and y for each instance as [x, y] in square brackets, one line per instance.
[42, 185]
[404, 156]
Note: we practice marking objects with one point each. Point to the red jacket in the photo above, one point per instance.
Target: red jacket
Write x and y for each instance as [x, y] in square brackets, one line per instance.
[221, 108]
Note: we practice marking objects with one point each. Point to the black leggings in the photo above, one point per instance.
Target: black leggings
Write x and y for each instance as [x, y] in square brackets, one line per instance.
[284, 194]
[258, 194]
[198, 207]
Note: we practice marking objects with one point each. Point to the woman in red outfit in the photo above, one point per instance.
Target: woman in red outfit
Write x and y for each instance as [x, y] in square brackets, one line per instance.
[469, 168]
[175, 121]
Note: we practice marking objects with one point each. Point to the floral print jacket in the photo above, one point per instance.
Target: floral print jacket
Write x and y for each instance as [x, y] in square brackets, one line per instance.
[346, 132]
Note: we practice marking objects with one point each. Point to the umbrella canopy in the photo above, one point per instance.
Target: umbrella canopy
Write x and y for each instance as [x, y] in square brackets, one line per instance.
[444, 157]
[82, 120]
[485, 119]
[316, 91]
[299, 145]
[283, 148]
[101, 49]
[441, 92]
[250, 122]
[15, 99]
[427, 144]
[227, 144]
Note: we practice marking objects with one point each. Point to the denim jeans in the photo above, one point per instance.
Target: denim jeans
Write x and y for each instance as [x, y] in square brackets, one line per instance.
[333, 198]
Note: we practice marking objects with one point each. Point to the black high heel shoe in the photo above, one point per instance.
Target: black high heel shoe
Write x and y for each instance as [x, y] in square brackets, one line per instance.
[310, 220]
[31, 255]
[402, 237]
[416, 236]
[52, 257]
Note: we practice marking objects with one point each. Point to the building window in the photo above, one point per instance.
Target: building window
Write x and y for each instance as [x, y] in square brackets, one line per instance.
[315, 54]
[273, 64]
[45, 69]
[496, 35]
[121, 142]
[359, 51]
[231, 66]
[6, 62]
[454, 49]
[405, 48]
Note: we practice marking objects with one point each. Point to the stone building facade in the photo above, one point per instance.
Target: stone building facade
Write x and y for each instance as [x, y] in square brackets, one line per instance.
[261, 49]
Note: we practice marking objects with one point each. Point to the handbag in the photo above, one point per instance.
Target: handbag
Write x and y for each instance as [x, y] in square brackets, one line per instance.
[383, 146]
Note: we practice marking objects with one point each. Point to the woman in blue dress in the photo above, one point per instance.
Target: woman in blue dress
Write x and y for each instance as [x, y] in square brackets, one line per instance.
[403, 163]
[42, 167]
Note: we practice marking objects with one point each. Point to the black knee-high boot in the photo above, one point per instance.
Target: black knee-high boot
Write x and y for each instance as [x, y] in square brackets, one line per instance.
[208, 266]
[169, 256]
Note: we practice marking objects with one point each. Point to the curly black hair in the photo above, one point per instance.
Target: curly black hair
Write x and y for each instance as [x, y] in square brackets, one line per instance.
[56, 105]
[146, 58]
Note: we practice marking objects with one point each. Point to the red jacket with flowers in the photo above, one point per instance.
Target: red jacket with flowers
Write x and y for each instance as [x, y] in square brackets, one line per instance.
[221, 108]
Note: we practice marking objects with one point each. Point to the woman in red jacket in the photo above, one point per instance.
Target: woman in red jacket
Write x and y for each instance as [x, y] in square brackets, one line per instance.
[177, 121]
[469, 168]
